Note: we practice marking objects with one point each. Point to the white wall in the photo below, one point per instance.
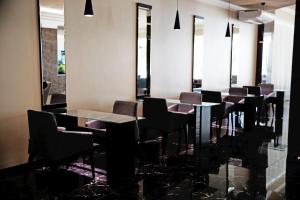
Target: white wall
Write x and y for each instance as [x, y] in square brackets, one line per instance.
[101, 58]
[100, 51]
[19, 77]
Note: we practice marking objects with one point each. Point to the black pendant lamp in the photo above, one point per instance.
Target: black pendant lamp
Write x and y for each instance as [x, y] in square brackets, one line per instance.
[228, 30]
[228, 24]
[88, 10]
[177, 21]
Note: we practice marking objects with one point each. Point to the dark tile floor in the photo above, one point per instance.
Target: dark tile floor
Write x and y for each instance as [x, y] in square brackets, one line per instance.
[242, 165]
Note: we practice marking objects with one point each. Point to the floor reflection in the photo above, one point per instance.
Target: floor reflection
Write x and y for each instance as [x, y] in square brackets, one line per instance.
[244, 165]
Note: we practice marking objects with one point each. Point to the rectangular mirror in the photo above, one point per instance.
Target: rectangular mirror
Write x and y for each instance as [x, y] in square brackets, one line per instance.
[143, 44]
[52, 53]
[235, 48]
[197, 67]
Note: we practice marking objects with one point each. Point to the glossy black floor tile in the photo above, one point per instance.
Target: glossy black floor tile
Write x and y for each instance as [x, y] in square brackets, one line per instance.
[240, 165]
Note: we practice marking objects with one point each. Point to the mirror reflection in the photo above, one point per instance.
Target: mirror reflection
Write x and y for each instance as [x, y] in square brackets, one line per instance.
[235, 57]
[198, 53]
[53, 62]
[143, 50]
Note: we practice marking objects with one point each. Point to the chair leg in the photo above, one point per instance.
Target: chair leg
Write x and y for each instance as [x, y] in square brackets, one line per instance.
[186, 138]
[219, 129]
[179, 141]
[228, 119]
[232, 124]
[29, 165]
[92, 165]
[164, 143]
[273, 110]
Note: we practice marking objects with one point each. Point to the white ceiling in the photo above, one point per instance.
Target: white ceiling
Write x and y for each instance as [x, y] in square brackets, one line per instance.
[256, 4]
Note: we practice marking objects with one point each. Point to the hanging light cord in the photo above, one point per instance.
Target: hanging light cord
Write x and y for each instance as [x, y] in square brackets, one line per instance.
[229, 11]
[177, 4]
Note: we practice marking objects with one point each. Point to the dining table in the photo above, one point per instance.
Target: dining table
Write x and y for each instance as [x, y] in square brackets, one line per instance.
[120, 140]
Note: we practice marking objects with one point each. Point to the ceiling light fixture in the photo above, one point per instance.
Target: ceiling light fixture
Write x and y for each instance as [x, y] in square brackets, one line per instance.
[228, 25]
[177, 21]
[88, 10]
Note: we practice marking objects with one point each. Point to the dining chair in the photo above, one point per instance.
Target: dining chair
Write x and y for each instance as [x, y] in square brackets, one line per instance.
[236, 95]
[158, 117]
[267, 90]
[220, 112]
[257, 101]
[187, 99]
[99, 128]
[55, 145]
[255, 90]
[120, 107]
[58, 98]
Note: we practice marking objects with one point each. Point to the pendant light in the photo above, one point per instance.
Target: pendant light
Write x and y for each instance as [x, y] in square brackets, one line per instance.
[228, 24]
[88, 10]
[177, 21]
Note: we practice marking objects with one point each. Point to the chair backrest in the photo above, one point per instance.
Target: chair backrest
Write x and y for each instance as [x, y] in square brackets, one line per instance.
[255, 90]
[266, 88]
[190, 97]
[211, 96]
[155, 111]
[58, 98]
[42, 133]
[238, 91]
[125, 108]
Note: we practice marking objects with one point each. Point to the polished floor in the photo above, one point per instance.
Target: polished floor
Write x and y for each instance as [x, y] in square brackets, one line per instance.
[241, 165]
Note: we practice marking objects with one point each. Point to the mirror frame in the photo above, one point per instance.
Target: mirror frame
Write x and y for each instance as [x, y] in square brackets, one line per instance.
[141, 5]
[44, 107]
[193, 51]
[231, 53]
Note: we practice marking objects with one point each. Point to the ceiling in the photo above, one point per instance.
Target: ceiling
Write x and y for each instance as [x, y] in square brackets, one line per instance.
[256, 4]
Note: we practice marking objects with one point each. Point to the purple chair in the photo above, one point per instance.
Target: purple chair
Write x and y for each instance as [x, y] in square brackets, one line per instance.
[54, 144]
[266, 88]
[236, 95]
[121, 108]
[187, 100]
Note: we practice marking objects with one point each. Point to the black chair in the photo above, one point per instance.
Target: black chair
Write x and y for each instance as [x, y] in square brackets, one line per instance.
[255, 90]
[268, 90]
[237, 96]
[54, 145]
[157, 117]
[219, 112]
[257, 101]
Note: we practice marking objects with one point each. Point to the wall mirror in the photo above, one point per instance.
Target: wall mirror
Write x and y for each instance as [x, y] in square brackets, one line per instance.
[143, 47]
[197, 66]
[52, 53]
[235, 48]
